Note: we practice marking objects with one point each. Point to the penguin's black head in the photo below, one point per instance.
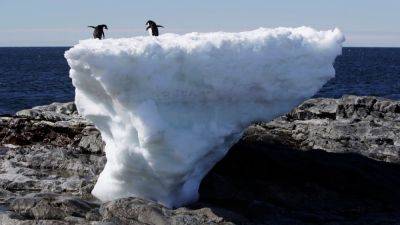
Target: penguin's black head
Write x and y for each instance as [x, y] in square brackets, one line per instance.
[104, 26]
[150, 22]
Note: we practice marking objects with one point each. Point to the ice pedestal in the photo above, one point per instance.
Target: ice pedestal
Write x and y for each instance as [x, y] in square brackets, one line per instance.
[170, 107]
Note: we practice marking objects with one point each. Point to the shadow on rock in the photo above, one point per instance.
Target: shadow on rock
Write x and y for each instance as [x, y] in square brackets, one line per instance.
[273, 184]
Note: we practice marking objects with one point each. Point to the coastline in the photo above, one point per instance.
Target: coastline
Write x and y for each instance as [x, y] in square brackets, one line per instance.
[317, 163]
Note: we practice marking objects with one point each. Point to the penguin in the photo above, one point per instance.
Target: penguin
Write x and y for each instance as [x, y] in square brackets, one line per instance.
[153, 28]
[98, 31]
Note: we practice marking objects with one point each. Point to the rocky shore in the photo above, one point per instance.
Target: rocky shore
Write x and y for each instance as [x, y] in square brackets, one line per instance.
[329, 161]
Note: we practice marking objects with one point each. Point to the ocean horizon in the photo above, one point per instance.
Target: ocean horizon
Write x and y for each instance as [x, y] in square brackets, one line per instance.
[32, 76]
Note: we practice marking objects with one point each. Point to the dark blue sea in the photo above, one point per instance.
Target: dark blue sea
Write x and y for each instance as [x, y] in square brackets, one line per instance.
[38, 76]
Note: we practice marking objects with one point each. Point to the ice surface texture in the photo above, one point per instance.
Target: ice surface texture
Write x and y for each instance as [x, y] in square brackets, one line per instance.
[169, 107]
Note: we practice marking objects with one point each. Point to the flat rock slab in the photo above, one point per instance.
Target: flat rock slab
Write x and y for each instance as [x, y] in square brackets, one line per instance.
[368, 126]
[57, 124]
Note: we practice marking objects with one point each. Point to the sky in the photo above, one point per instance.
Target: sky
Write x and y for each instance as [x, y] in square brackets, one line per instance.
[369, 23]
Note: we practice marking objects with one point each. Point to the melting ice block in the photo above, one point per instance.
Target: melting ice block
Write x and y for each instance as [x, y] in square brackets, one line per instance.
[170, 107]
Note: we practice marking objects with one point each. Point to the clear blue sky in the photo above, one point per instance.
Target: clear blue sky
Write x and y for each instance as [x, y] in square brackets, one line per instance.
[63, 22]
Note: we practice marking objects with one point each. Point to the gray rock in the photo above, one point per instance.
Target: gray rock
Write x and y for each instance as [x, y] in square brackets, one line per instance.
[49, 206]
[138, 211]
[319, 164]
[368, 126]
[49, 169]
[56, 124]
[53, 112]
[329, 161]
[10, 218]
[91, 140]
[60, 209]
[93, 215]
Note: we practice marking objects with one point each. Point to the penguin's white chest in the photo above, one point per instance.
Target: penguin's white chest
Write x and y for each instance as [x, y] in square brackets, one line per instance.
[151, 32]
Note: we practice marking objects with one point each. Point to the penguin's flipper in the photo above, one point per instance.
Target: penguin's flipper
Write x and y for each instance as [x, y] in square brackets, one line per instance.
[147, 27]
[104, 36]
[160, 26]
[92, 27]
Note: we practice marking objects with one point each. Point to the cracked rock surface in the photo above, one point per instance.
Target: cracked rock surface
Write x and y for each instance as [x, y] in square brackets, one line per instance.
[329, 161]
[368, 126]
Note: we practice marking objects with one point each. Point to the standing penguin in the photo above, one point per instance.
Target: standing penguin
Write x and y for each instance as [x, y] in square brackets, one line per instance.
[98, 31]
[153, 28]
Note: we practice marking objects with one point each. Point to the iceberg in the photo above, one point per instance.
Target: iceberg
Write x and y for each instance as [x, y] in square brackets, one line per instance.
[170, 107]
